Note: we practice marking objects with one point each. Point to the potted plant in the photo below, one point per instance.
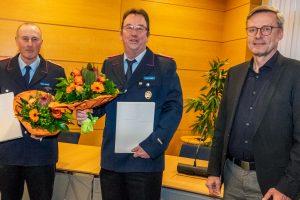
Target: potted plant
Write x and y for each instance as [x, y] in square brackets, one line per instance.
[207, 103]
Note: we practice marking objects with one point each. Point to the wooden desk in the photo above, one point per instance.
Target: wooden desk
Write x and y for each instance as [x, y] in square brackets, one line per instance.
[175, 180]
[78, 158]
[86, 159]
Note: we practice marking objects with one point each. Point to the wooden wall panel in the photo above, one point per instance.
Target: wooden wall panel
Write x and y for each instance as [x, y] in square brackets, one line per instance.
[104, 14]
[179, 21]
[203, 4]
[69, 66]
[235, 23]
[191, 81]
[188, 54]
[235, 51]
[66, 43]
[7, 38]
[231, 4]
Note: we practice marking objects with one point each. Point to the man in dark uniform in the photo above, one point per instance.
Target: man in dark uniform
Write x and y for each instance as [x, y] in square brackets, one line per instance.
[141, 76]
[28, 159]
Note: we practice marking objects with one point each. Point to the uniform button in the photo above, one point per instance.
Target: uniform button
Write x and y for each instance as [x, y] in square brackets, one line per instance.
[6, 90]
[247, 124]
[251, 108]
[257, 76]
[25, 132]
[147, 84]
[254, 92]
[246, 141]
[125, 91]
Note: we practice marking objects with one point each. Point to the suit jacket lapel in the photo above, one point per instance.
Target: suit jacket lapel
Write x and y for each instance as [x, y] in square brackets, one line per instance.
[145, 67]
[270, 88]
[13, 70]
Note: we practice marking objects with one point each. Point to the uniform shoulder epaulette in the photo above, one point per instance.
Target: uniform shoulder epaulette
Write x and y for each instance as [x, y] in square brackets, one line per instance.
[5, 59]
[164, 56]
[114, 57]
[50, 61]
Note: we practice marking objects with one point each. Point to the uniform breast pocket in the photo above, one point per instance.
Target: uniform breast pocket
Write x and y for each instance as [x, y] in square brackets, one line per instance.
[46, 86]
[149, 89]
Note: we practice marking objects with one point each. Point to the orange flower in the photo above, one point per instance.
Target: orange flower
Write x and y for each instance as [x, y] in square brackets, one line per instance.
[56, 113]
[75, 72]
[34, 115]
[78, 88]
[70, 88]
[97, 87]
[78, 80]
[101, 79]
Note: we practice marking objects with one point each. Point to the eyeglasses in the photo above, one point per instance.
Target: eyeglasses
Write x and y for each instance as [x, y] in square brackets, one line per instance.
[264, 30]
[137, 28]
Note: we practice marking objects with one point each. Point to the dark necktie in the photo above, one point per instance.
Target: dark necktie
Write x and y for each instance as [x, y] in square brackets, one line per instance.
[27, 75]
[129, 69]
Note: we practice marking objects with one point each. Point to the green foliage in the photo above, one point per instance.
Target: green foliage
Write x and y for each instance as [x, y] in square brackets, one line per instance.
[84, 84]
[207, 104]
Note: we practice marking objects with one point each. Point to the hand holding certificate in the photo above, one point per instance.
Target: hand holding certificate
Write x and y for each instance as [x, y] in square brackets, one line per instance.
[10, 126]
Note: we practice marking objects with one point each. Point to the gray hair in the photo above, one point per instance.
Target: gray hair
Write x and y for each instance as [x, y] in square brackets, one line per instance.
[266, 8]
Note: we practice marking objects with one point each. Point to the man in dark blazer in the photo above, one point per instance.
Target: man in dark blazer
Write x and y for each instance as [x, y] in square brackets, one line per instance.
[138, 175]
[256, 146]
[28, 159]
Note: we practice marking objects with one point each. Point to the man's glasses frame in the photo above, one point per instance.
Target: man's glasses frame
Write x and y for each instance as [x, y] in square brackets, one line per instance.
[137, 28]
[264, 30]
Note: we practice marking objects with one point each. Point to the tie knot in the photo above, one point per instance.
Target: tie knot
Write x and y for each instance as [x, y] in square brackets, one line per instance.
[129, 69]
[28, 68]
[130, 62]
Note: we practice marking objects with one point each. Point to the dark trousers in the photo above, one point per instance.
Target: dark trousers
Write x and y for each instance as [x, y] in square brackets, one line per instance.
[39, 182]
[130, 186]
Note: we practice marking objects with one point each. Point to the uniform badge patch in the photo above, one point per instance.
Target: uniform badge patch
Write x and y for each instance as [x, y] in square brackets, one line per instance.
[148, 94]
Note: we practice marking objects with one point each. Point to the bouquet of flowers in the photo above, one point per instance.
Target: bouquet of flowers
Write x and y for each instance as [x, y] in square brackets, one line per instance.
[33, 111]
[84, 89]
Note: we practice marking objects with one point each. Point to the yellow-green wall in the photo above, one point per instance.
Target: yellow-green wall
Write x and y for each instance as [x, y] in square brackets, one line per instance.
[76, 32]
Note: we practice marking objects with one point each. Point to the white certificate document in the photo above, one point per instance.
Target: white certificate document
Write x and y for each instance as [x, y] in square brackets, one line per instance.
[135, 122]
[10, 127]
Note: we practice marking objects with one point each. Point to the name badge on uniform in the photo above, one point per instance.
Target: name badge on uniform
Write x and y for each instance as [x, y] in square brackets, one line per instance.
[44, 84]
[149, 78]
[148, 94]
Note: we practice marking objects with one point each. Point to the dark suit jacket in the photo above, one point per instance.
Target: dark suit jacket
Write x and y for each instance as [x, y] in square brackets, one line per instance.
[277, 136]
[166, 92]
[27, 151]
